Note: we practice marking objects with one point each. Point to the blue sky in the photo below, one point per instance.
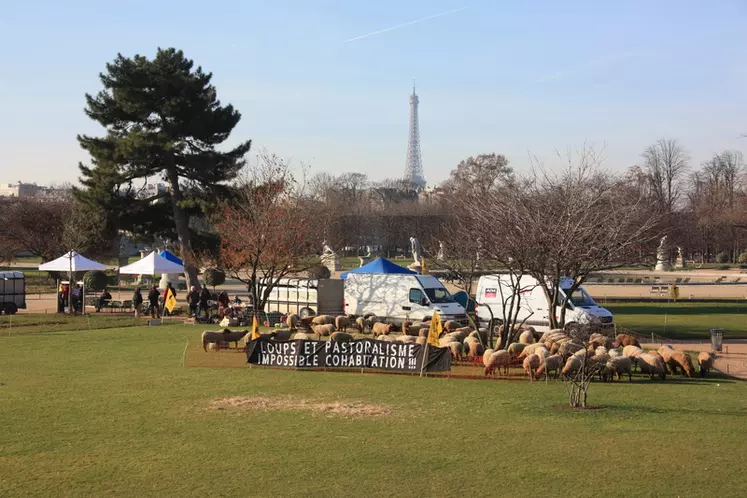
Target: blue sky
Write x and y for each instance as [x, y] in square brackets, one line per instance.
[507, 77]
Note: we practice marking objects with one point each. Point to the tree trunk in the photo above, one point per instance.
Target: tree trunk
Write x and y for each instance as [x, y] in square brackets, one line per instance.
[182, 229]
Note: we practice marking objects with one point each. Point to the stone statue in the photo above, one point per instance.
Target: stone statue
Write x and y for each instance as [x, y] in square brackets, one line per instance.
[416, 252]
[680, 261]
[662, 255]
[366, 258]
[417, 255]
[327, 250]
[440, 254]
[330, 259]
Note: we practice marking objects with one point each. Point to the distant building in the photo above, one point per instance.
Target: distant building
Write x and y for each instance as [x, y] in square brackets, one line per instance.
[152, 190]
[19, 189]
[22, 190]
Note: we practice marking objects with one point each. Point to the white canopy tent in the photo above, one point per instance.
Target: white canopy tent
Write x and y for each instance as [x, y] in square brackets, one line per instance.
[72, 262]
[152, 264]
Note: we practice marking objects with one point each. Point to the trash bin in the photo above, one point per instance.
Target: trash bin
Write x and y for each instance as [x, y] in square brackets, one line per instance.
[717, 338]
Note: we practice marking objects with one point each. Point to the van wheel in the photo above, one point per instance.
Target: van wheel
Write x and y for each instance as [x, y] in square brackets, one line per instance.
[10, 308]
[306, 312]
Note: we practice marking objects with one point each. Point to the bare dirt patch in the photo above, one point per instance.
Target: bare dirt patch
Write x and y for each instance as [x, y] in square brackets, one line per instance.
[332, 409]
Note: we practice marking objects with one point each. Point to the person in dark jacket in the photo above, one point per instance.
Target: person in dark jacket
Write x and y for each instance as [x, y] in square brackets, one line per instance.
[204, 298]
[137, 301]
[193, 299]
[104, 298]
[153, 308]
[223, 302]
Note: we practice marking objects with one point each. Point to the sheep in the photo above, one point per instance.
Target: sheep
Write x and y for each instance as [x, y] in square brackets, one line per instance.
[682, 360]
[456, 350]
[632, 351]
[381, 328]
[446, 340]
[280, 334]
[614, 353]
[421, 340]
[223, 336]
[359, 324]
[451, 325]
[527, 337]
[497, 359]
[302, 336]
[542, 352]
[407, 339]
[474, 347]
[486, 356]
[292, 321]
[423, 332]
[340, 337]
[531, 364]
[705, 362]
[323, 330]
[625, 340]
[342, 322]
[515, 349]
[652, 366]
[410, 329]
[462, 333]
[481, 335]
[306, 323]
[323, 320]
[387, 338]
[666, 353]
[551, 364]
[618, 365]
[572, 365]
[530, 349]
[568, 348]
[600, 340]
[215, 346]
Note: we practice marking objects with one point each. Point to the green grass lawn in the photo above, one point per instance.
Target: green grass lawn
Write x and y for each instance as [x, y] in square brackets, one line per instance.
[113, 412]
[682, 320]
[35, 324]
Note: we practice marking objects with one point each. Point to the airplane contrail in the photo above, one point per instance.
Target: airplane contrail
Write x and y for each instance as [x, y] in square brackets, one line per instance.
[408, 23]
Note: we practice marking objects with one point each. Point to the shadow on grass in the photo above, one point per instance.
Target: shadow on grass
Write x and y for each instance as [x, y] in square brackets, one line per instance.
[663, 411]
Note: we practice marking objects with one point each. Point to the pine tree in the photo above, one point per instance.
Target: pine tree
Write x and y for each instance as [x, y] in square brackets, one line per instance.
[162, 119]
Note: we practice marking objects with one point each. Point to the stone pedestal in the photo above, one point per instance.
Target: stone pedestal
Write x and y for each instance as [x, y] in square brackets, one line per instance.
[663, 266]
[332, 262]
[166, 278]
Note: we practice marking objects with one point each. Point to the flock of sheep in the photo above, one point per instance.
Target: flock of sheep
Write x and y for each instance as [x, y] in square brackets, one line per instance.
[554, 352]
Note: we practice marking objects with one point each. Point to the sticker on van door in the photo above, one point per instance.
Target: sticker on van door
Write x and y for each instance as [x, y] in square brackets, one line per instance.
[491, 292]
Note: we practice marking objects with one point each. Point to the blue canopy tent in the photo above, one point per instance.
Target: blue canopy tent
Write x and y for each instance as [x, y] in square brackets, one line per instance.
[380, 265]
[171, 257]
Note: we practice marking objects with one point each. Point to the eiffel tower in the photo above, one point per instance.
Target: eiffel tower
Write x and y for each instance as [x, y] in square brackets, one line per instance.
[414, 166]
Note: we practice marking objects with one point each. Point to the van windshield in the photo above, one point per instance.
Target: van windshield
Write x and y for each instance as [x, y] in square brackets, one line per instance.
[580, 298]
[438, 295]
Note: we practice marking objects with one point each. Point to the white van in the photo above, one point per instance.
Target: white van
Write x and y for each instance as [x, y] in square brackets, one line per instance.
[533, 305]
[399, 297]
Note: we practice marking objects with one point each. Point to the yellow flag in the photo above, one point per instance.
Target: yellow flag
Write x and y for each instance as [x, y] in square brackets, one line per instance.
[423, 268]
[435, 331]
[170, 302]
[255, 328]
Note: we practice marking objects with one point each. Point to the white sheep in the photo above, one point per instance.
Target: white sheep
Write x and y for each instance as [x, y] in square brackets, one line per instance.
[292, 321]
[323, 320]
[531, 364]
[618, 365]
[527, 337]
[456, 350]
[652, 365]
[486, 356]
[497, 360]
[323, 330]
[705, 362]
[551, 364]
[340, 337]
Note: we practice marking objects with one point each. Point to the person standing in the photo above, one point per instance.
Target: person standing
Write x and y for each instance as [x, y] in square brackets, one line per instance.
[137, 301]
[153, 308]
[204, 298]
[193, 299]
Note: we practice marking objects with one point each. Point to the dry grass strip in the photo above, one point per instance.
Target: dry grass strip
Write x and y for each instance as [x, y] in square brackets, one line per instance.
[336, 408]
